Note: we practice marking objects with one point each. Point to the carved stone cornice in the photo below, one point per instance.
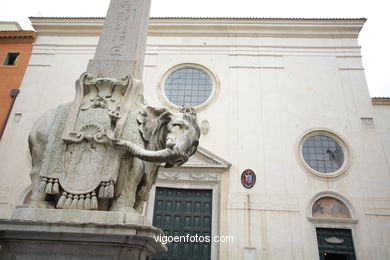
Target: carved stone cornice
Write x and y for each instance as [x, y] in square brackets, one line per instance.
[243, 27]
[384, 101]
[203, 167]
[188, 176]
[204, 160]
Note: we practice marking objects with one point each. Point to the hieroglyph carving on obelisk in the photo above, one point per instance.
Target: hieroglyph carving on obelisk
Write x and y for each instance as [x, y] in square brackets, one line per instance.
[121, 48]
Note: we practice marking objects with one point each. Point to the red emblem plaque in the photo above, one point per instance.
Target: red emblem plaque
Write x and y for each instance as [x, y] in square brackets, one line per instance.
[248, 178]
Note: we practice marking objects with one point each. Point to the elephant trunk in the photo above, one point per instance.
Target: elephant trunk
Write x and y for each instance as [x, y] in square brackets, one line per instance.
[169, 154]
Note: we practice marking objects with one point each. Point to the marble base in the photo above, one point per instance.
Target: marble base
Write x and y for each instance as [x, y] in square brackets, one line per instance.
[80, 216]
[107, 235]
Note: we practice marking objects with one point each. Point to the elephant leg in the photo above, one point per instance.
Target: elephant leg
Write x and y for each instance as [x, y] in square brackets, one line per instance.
[37, 197]
[141, 198]
[145, 186]
[37, 142]
[126, 199]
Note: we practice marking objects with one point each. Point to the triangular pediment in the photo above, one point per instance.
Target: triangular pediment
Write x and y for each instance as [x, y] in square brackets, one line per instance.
[206, 160]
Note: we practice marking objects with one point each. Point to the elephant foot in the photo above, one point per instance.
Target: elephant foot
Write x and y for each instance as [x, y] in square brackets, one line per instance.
[131, 216]
[139, 207]
[40, 204]
[123, 209]
[120, 204]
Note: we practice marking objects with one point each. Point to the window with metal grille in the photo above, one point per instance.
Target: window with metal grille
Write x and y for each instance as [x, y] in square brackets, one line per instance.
[323, 154]
[188, 87]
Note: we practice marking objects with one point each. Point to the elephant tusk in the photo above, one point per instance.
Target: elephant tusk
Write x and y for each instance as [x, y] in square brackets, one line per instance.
[168, 154]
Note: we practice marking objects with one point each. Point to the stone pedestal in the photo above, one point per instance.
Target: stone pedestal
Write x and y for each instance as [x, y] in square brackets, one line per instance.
[71, 235]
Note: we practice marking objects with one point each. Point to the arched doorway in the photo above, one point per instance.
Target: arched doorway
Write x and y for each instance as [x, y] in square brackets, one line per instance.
[332, 217]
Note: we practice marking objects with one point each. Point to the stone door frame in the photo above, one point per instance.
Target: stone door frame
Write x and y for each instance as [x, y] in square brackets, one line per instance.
[203, 171]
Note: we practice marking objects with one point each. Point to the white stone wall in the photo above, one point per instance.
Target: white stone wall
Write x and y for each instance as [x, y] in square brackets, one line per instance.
[382, 124]
[276, 80]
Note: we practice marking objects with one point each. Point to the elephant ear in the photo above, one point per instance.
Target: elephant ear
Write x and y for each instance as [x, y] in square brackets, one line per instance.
[150, 121]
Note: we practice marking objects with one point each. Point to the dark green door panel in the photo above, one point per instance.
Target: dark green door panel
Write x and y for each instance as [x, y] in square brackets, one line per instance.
[335, 244]
[182, 212]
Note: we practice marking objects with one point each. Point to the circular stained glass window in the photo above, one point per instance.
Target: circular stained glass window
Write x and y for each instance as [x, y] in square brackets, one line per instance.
[188, 87]
[322, 154]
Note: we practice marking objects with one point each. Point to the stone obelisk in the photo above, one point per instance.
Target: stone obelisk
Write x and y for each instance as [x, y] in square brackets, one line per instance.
[121, 47]
[120, 53]
[56, 234]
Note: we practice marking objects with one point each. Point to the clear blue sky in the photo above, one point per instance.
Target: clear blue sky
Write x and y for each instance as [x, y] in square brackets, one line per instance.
[374, 38]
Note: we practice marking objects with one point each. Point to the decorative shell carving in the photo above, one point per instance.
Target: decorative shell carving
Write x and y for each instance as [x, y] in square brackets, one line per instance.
[90, 131]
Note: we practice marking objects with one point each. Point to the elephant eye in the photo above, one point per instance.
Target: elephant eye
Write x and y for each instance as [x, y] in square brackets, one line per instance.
[178, 123]
[173, 125]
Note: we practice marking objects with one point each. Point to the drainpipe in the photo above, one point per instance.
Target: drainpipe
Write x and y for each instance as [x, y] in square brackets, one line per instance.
[14, 93]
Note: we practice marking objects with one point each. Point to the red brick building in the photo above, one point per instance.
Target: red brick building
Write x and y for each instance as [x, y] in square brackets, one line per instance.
[15, 51]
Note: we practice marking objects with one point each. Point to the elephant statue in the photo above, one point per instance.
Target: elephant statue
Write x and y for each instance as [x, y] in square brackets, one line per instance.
[81, 161]
[170, 138]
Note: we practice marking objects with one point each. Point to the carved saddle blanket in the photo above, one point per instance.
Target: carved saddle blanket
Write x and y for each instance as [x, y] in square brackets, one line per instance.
[78, 169]
[81, 172]
[79, 163]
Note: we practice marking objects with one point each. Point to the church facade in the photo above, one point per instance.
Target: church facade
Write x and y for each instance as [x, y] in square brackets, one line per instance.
[294, 156]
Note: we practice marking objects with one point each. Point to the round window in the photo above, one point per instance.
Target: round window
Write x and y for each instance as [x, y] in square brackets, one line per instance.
[323, 154]
[188, 87]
